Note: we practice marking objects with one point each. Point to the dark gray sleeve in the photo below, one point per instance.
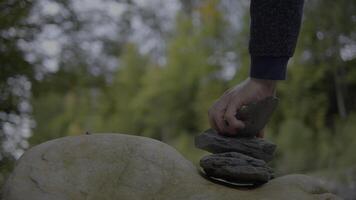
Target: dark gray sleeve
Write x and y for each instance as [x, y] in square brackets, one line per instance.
[274, 32]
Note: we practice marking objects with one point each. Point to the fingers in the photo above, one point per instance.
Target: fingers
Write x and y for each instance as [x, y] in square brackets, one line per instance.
[261, 134]
[212, 121]
[220, 122]
[222, 117]
[234, 124]
[216, 115]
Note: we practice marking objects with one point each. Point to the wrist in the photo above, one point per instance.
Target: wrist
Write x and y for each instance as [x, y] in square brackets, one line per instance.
[266, 84]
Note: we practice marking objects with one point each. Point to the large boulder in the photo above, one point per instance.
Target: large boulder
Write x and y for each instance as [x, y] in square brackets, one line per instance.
[122, 167]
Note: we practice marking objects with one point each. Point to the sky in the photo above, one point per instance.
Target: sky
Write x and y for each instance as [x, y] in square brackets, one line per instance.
[102, 20]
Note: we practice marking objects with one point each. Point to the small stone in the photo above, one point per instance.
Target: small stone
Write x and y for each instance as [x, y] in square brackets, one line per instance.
[213, 142]
[236, 167]
[256, 115]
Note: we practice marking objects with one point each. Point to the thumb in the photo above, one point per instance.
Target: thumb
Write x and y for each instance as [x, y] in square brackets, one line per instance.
[261, 134]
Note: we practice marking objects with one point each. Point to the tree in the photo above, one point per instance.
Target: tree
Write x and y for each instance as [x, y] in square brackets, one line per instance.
[316, 102]
[15, 82]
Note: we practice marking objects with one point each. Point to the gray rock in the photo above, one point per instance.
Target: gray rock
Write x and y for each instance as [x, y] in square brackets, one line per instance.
[213, 142]
[115, 166]
[256, 115]
[237, 168]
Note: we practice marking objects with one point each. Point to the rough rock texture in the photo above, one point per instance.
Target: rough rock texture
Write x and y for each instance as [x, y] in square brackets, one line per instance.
[236, 167]
[240, 160]
[122, 167]
[213, 142]
[256, 115]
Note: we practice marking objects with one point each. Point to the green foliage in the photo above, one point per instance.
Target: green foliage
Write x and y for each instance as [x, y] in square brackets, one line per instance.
[117, 103]
[314, 119]
[13, 67]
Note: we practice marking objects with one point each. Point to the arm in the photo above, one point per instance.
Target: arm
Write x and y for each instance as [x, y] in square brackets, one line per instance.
[274, 31]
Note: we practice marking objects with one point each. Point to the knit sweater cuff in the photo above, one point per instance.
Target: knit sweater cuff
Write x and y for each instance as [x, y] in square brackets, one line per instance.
[269, 67]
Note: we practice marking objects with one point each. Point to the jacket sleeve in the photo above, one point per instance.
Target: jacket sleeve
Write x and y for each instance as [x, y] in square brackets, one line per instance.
[274, 30]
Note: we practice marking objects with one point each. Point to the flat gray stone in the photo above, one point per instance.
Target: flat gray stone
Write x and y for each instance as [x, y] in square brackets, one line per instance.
[213, 142]
[256, 115]
[237, 168]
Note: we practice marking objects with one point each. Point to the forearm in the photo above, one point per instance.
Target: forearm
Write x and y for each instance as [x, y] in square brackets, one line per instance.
[275, 26]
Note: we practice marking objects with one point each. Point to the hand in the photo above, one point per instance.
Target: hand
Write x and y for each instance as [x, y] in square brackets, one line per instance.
[222, 113]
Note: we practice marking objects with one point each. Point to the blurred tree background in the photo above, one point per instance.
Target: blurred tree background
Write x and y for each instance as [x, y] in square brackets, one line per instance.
[153, 68]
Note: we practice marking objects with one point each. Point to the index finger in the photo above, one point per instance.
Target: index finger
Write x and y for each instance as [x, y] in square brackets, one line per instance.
[234, 124]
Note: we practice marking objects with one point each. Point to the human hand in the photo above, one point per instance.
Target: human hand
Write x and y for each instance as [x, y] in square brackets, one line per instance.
[222, 114]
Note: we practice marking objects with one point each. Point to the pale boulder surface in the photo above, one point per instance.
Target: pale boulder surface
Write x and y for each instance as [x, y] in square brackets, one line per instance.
[123, 167]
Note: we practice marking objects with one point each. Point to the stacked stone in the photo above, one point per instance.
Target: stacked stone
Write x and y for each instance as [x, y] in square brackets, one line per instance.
[242, 159]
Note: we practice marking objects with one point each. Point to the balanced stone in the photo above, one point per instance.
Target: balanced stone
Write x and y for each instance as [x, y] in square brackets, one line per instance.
[237, 168]
[213, 142]
[256, 115]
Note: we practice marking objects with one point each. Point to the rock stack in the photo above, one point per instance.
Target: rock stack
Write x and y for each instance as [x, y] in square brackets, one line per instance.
[240, 160]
